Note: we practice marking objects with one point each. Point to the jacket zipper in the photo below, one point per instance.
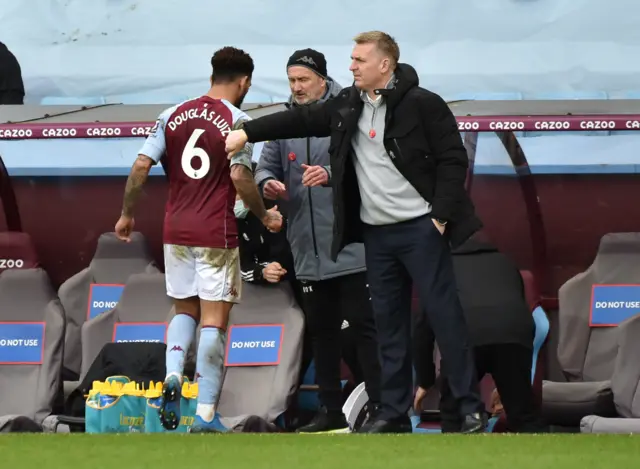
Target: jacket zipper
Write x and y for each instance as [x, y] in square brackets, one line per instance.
[313, 224]
[399, 151]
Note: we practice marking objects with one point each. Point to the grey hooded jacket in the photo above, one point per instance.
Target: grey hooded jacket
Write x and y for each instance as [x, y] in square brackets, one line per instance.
[310, 210]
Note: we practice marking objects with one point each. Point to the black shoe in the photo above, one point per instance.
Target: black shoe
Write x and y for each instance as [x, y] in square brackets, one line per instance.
[474, 423]
[400, 424]
[369, 412]
[325, 421]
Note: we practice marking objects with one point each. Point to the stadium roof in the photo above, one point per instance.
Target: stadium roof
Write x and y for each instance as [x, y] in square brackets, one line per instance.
[146, 113]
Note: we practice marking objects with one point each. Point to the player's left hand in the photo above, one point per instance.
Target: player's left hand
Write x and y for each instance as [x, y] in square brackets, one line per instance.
[124, 228]
[314, 176]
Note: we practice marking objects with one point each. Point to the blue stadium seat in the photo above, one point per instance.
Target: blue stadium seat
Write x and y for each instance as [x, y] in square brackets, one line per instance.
[72, 101]
[568, 95]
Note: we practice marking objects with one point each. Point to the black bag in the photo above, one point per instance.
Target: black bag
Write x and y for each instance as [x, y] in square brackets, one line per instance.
[141, 362]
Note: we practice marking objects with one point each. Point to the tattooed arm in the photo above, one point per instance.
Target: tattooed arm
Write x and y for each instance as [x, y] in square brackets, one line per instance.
[150, 153]
[248, 190]
[242, 177]
[137, 177]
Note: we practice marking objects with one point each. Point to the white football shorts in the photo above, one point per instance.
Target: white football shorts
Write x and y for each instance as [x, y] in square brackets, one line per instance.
[212, 274]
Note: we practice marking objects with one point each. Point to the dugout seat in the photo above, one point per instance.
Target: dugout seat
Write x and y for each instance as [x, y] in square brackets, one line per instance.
[30, 376]
[263, 390]
[17, 251]
[139, 316]
[96, 289]
[625, 385]
[587, 354]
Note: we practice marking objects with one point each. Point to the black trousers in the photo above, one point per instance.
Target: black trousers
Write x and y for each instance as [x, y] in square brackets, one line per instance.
[349, 346]
[397, 255]
[327, 303]
[510, 368]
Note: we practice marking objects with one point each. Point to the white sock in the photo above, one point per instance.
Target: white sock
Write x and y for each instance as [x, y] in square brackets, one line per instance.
[177, 375]
[206, 411]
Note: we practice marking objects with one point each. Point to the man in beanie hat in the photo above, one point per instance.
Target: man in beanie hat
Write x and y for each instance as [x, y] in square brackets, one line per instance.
[331, 291]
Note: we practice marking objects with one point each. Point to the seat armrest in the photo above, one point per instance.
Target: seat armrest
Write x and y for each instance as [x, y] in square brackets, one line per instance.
[63, 424]
[565, 404]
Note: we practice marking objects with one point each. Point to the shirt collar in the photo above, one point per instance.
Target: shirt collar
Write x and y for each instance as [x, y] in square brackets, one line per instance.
[378, 99]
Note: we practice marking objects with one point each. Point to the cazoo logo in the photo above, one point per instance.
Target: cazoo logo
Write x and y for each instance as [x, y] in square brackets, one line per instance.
[11, 263]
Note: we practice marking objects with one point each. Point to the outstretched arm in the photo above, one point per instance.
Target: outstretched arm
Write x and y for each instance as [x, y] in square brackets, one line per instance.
[297, 122]
[300, 121]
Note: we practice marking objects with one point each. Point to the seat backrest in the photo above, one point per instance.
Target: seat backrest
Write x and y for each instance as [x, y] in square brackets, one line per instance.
[625, 382]
[587, 350]
[97, 288]
[263, 353]
[17, 251]
[139, 316]
[31, 344]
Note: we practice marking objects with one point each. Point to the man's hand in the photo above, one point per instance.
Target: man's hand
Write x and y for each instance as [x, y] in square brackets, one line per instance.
[236, 140]
[273, 272]
[439, 226]
[124, 228]
[273, 220]
[273, 190]
[314, 176]
[421, 393]
[496, 403]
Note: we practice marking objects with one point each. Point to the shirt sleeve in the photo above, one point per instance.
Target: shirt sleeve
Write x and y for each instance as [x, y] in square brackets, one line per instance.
[244, 156]
[155, 145]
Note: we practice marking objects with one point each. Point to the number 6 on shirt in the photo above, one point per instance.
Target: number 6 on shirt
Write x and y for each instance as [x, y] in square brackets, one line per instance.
[190, 152]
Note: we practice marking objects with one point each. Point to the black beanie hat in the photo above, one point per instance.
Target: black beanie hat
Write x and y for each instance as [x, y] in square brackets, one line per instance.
[311, 59]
